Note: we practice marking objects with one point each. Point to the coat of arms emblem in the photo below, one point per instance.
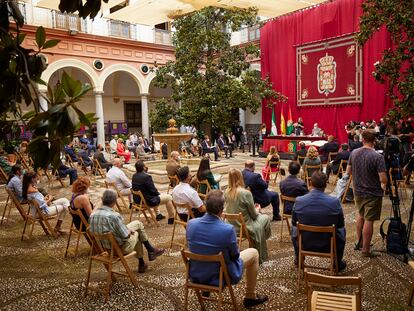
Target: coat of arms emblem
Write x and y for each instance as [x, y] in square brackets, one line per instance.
[326, 75]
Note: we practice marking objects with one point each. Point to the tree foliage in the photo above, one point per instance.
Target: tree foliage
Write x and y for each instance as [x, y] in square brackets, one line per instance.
[164, 110]
[396, 68]
[212, 79]
[20, 74]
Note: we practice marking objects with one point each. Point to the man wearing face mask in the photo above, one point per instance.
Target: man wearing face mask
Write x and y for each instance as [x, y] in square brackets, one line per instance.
[316, 131]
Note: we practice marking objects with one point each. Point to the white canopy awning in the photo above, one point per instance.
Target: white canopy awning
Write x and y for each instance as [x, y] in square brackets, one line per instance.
[152, 12]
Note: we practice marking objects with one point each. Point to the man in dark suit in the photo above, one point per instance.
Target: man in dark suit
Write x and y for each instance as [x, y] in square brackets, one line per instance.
[209, 235]
[83, 153]
[71, 152]
[330, 146]
[292, 186]
[99, 156]
[141, 181]
[258, 187]
[355, 144]
[222, 144]
[334, 165]
[238, 131]
[207, 148]
[319, 209]
[301, 152]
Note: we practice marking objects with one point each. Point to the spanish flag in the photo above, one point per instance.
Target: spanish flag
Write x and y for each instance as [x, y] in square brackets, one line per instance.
[282, 123]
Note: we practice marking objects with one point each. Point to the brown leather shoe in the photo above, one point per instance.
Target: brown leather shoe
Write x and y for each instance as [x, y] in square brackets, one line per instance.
[142, 269]
[157, 252]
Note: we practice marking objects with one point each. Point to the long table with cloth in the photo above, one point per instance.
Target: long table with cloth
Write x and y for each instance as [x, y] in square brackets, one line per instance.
[288, 144]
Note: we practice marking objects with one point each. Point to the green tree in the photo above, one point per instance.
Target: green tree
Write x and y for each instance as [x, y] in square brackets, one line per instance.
[396, 68]
[212, 79]
[163, 111]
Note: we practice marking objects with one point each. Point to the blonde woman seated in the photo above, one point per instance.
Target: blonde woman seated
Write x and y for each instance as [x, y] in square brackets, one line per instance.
[312, 158]
[273, 156]
[240, 200]
[46, 203]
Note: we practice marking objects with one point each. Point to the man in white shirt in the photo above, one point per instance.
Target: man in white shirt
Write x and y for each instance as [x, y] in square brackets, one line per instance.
[113, 144]
[117, 176]
[183, 193]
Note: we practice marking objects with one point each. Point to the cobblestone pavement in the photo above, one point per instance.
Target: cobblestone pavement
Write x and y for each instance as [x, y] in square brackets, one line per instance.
[34, 275]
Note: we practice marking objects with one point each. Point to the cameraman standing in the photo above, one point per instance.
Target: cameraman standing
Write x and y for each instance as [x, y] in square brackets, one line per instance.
[368, 173]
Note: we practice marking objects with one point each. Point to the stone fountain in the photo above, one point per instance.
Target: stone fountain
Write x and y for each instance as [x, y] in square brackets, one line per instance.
[172, 138]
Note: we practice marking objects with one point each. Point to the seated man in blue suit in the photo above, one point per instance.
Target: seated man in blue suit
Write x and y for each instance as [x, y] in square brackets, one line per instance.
[319, 209]
[207, 148]
[209, 235]
[71, 152]
[258, 187]
[292, 186]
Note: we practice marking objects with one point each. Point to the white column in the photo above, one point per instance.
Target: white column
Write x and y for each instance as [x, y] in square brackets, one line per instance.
[242, 118]
[100, 128]
[42, 102]
[144, 111]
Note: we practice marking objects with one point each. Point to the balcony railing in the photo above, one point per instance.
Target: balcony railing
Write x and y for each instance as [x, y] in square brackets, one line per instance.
[121, 29]
[162, 37]
[250, 34]
[68, 21]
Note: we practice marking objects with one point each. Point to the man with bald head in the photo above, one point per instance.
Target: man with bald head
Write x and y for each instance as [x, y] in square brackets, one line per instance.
[258, 187]
[173, 164]
[117, 176]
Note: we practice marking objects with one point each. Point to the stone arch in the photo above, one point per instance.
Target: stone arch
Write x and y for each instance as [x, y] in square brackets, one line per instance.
[70, 62]
[135, 74]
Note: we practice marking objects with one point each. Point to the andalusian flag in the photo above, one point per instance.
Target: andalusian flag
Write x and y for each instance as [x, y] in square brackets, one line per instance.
[273, 130]
[290, 127]
[282, 123]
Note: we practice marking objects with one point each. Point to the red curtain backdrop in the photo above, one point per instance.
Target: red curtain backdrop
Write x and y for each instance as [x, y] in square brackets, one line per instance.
[278, 41]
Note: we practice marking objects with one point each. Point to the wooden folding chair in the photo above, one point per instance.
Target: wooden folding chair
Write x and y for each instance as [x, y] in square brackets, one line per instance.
[308, 171]
[39, 217]
[318, 300]
[142, 207]
[285, 216]
[110, 255]
[237, 221]
[348, 184]
[22, 160]
[273, 169]
[51, 177]
[69, 162]
[84, 168]
[111, 185]
[224, 281]
[208, 188]
[179, 221]
[331, 156]
[12, 200]
[341, 170]
[82, 231]
[301, 159]
[3, 175]
[173, 182]
[98, 168]
[331, 255]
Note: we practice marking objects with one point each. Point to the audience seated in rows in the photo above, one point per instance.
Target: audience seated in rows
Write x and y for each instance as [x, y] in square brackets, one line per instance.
[319, 209]
[209, 235]
[100, 157]
[117, 176]
[204, 173]
[292, 186]
[130, 237]
[15, 181]
[273, 157]
[142, 181]
[240, 200]
[258, 187]
[334, 165]
[183, 193]
[120, 151]
[47, 204]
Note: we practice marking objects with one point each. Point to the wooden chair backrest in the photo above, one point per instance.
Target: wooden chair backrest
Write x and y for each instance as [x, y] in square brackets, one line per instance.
[173, 180]
[331, 156]
[219, 258]
[23, 161]
[4, 175]
[318, 229]
[102, 241]
[301, 159]
[319, 280]
[69, 161]
[77, 212]
[208, 188]
[285, 198]
[310, 168]
[183, 205]
[111, 185]
[16, 202]
[243, 228]
[143, 202]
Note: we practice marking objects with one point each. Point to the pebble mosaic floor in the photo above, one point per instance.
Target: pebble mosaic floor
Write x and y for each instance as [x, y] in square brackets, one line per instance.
[34, 275]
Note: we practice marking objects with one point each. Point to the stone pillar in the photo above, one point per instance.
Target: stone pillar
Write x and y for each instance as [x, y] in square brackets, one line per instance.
[144, 111]
[100, 128]
[242, 118]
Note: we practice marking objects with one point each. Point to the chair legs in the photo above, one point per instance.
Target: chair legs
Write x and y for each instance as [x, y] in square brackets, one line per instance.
[284, 219]
[410, 297]
[6, 207]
